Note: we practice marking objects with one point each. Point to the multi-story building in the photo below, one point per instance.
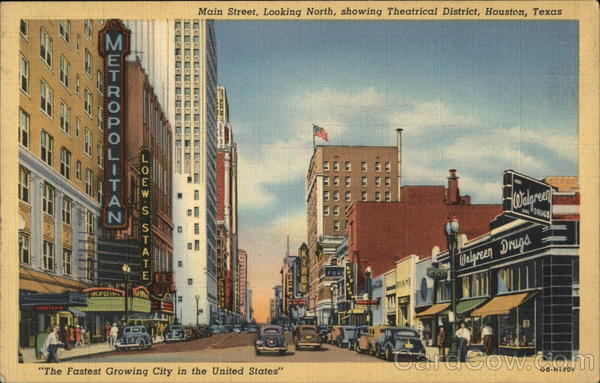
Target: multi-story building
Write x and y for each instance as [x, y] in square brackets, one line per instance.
[226, 170]
[194, 83]
[242, 257]
[61, 130]
[338, 176]
[249, 310]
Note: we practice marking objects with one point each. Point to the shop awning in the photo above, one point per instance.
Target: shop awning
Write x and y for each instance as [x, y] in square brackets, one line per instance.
[435, 309]
[502, 304]
[77, 313]
[466, 305]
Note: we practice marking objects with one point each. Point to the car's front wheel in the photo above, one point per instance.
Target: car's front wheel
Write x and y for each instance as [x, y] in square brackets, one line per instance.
[141, 345]
[388, 354]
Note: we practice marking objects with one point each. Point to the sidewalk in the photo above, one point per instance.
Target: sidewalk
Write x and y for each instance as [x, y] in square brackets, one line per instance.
[473, 356]
[65, 355]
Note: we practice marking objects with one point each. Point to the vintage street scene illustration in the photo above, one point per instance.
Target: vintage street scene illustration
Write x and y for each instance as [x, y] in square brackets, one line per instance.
[194, 190]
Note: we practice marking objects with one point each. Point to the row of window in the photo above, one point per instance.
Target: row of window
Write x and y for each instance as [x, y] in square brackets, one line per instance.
[187, 65]
[363, 166]
[186, 39]
[48, 256]
[186, 25]
[348, 181]
[364, 196]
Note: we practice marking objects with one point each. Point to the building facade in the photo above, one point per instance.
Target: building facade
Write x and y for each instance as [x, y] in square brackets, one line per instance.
[242, 282]
[194, 85]
[61, 129]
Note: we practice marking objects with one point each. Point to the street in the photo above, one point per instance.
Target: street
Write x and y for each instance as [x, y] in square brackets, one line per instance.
[229, 347]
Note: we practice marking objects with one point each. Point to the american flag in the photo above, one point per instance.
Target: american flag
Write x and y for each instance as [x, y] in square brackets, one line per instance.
[320, 132]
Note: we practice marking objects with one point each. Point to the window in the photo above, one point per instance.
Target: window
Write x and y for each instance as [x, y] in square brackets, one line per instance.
[179, 263]
[196, 228]
[348, 181]
[24, 242]
[363, 181]
[388, 196]
[67, 261]
[48, 199]
[87, 142]
[179, 195]
[325, 210]
[89, 182]
[45, 47]
[336, 181]
[65, 118]
[66, 210]
[46, 148]
[378, 166]
[196, 25]
[89, 222]
[45, 98]
[326, 196]
[78, 170]
[23, 128]
[336, 210]
[24, 74]
[190, 246]
[186, 39]
[377, 196]
[65, 163]
[363, 196]
[189, 212]
[326, 166]
[24, 27]
[363, 166]
[64, 28]
[87, 102]
[100, 81]
[100, 118]
[99, 155]
[87, 27]
[48, 255]
[336, 196]
[387, 167]
[196, 195]
[325, 181]
[178, 25]
[377, 181]
[24, 178]
[347, 196]
[65, 70]
[87, 62]
[387, 181]
[336, 166]
[99, 190]
[336, 226]
[196, 212]
[77, 84]
[348, 166]
[179, 229]
[78, 44]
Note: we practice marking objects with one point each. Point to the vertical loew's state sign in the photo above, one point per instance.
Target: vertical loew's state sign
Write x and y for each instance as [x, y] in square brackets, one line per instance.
[145, 217]
[113, 46]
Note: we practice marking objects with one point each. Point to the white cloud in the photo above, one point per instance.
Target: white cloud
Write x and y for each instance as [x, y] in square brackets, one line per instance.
[435, 113]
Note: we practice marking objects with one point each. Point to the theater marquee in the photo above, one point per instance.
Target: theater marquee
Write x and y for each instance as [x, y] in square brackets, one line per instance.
[113, 45]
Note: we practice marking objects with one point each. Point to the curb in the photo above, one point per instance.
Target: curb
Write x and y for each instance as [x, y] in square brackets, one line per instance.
[67, 358]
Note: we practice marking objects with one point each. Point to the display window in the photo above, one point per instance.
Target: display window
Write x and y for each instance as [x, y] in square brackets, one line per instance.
[517, 329]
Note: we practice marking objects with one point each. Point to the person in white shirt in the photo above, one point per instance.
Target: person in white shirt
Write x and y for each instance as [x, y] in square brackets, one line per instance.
[464, 337]
[487, 333]
[114, 332]
[51, 345]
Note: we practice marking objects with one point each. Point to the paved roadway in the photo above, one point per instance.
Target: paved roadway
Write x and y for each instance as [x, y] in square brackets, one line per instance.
[228, 348]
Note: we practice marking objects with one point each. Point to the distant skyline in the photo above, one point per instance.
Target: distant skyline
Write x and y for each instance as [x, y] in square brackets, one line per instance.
[480, 97]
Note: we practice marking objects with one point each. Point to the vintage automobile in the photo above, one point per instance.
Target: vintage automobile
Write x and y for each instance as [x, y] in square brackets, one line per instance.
[366, 342]
[252, 329]
[237, 329]
[323, 331]
[333, 334]
[401, 341]
[175, 333]
[191, 332]
[353, 334]
[271, 338]
[343, 335]
[217, 329]
[307, 335]
[134, 337]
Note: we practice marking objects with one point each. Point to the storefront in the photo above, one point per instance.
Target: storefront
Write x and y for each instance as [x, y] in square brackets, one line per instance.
[405, 277]
[390, 303]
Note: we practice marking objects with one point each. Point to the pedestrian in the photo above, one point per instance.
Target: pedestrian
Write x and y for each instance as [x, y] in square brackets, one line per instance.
[83, 335]
[71, 336]
[107, 332]
[78, 338]
[114, 332]
[51, 345]
[427, 335]
[441, 342]
[487, 333]
[64, 337]
[464, 337]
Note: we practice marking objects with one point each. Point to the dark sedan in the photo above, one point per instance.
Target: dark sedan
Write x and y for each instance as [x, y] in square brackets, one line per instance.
[270, 339]
[400, 342]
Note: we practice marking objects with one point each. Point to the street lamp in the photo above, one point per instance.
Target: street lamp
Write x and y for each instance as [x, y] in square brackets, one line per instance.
[126, 270]
[369, 293]
[452, 230]
[331, 290]
[197, 311]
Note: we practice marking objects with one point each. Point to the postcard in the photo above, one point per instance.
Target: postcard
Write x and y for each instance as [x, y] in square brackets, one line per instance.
[290, 191]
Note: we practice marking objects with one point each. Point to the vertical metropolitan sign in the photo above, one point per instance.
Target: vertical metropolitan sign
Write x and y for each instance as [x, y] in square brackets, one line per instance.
[145, 217]
[527, 198]
[113, 46]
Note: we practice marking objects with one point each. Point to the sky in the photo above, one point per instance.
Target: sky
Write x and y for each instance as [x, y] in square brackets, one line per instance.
[480, 97]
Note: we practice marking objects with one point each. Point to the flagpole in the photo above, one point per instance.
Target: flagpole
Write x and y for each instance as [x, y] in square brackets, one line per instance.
[313, 135]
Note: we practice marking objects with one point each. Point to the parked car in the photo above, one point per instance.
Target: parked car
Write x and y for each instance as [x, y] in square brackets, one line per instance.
[252, 329]
[237, 329]
[307, 336]
[205, 331]
[217, 329]
[343, 335]
[323, 331]
[366, 342]
[190, 332]
[175, 333]
[402, 341]
[353, 334]
[271, 338]
[333, 334]
[134, 337]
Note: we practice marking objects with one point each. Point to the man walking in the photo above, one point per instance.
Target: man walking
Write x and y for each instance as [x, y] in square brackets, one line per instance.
[464, 337]
[487, 333]
[52, 344]
[114, 333]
